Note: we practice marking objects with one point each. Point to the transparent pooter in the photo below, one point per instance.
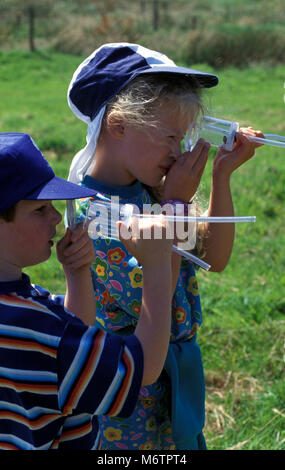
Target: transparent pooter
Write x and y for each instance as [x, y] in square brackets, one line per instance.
[222, 133]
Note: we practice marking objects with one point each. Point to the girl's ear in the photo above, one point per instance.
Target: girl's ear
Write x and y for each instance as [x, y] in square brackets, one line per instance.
[115, 126]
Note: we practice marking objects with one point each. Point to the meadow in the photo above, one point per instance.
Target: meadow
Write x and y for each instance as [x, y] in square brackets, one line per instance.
[242, 338]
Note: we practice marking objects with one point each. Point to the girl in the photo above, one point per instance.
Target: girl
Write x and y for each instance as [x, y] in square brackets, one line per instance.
[138, 105]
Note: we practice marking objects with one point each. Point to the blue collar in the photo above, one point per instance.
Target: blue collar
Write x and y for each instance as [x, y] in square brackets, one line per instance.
[21, 286]
[132, 190]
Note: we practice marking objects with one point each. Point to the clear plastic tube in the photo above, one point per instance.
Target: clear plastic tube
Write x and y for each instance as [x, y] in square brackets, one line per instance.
[221, 133]
[191, 257]
[102, 220]
[124, 212]
[270, 139]
[199, 219]
[107, 230]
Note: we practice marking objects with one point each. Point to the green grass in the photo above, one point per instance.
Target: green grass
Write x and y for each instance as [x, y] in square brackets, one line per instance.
[33, 99]
[242, 338]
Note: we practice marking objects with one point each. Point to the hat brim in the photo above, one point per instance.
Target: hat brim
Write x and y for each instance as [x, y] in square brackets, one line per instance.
[205, 79]
[59, 189]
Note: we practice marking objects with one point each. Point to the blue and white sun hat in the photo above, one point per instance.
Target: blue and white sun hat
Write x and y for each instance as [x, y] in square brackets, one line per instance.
[101, 76]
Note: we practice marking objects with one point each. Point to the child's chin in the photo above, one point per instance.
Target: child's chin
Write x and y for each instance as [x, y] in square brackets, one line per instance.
[45, 256]
[38, 260]
[155, 182]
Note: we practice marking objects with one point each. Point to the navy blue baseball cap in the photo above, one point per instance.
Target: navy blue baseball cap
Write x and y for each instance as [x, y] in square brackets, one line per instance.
[26, 175]
[111, 67]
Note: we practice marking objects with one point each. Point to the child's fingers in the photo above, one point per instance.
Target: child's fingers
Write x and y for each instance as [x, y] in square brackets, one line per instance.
[76, 249]
[69, 238]
[194, 153]
[200, 163]
[81, 256]
[81, 262]
[245, 149]
[197, 159]
[245, 142]
[85, 250]
[228, 161]
[66, 239]
[63, 244]
[147, 228]
[77, 243]
[249, 131]
[78, 231]
[126, 232]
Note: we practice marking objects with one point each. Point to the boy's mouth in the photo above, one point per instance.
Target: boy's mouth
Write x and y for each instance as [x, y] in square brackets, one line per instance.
[51, 242]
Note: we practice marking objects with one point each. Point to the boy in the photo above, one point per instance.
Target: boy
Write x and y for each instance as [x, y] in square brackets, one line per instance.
[56, 372]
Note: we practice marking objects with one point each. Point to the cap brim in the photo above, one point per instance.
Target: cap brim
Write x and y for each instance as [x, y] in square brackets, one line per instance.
[205, 79]
[58, 188]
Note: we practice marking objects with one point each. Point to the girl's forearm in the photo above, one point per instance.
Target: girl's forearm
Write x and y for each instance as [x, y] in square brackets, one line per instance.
[175, 270]
[153, 327]
[219, 237]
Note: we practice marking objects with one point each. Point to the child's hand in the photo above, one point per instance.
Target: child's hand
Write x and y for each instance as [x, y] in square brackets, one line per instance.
[75, 250]
[149, 240]
[228, 161]
[76, 253]
[184, 176]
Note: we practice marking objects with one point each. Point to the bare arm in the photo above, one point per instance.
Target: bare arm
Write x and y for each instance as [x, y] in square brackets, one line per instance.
[219, 238]
[76, 253]
[153, 327]
[181, 183]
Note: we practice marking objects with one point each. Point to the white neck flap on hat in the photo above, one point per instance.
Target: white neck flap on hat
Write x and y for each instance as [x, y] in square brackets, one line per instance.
[82, 160]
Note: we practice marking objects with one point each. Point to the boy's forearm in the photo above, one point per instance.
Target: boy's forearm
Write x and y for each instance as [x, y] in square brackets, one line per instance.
[219, 238]
[80, 298]
[153, 328]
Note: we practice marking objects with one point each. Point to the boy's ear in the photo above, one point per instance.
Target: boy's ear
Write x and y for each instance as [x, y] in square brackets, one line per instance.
[115, 126]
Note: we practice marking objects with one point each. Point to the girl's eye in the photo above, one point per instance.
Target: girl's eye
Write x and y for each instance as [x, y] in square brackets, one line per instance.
[176, 138]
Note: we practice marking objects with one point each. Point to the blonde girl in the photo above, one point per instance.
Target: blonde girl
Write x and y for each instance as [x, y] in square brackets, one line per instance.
[138, 106]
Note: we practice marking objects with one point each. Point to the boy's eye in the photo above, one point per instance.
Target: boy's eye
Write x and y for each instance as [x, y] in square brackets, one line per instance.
[40, 209]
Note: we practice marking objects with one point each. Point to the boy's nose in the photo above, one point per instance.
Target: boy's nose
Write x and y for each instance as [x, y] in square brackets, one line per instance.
[57, 217]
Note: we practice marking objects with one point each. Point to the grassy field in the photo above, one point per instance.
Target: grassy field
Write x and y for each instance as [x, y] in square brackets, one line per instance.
[243, 334]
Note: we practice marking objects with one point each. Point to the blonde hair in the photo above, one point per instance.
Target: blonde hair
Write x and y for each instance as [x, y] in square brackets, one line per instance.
[138, 103]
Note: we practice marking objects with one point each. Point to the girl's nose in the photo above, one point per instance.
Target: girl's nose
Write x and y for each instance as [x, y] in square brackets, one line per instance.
[177, 150]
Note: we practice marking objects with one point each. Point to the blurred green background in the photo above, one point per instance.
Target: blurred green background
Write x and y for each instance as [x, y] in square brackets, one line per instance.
[243, 335]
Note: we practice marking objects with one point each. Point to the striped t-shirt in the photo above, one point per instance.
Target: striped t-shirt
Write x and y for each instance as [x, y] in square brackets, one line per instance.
[57, 374]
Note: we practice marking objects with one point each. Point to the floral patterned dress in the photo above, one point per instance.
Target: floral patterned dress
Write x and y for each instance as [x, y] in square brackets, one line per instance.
[117, 280]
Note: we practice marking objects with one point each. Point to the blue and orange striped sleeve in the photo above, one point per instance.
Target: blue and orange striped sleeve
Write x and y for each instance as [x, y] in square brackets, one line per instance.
[98, 373]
